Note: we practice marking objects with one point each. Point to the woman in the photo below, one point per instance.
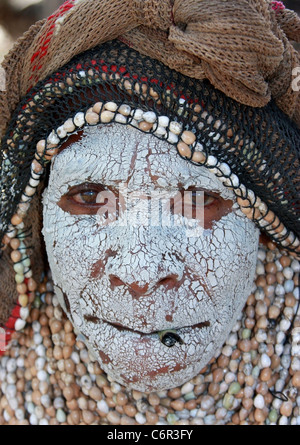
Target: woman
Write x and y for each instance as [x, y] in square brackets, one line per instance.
[154, 295]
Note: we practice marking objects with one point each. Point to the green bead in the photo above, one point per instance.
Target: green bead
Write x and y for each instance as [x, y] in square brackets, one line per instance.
[171, 419]
[19, 278]
[255, 371]
[228, 401]
[246, 334]
[273, 416]
[37, 302]
[234, 388]
[26, 262]
[189, 396]
[19, 268]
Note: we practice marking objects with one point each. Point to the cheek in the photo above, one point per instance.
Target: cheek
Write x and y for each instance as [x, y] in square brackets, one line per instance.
[226, 255]
[71, 245]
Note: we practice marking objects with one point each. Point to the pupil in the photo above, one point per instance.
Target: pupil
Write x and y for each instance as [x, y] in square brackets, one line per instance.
[89, 196]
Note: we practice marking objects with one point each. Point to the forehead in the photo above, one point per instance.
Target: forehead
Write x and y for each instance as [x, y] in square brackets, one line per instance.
[117, 153]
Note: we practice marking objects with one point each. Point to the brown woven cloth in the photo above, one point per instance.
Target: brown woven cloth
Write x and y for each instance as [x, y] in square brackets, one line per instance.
[242, 46]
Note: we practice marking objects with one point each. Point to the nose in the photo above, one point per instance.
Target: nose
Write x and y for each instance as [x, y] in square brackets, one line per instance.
[138, 289]
[145, 261]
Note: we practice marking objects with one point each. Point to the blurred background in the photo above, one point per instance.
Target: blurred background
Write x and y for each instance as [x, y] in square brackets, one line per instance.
[17, 15]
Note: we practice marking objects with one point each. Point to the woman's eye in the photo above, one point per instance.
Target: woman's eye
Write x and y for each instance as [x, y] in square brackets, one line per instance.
[86, 197]
[200, 205]
[208, 199]
[199, 198]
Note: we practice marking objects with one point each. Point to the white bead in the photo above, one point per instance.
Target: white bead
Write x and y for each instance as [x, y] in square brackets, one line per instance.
[24, 313]
[259, 401]
[140, 418]
[34, 182]
[289, 286]
[33, 420]
[37, 338]
[186, 388]
[295, 265]
[265, 361]
[235, 180]
[20, 324]
[111, 106]
[134, 123]
[225, 169]
[53, 138]
[160, 131]
[279, 289]
[35, 175]
[163, 121]
[11, 390]
[212, 161]
[175, 127]
[137, 114]
[251, 196]
[42, 375]
[40, 363]
[19, 413]
[149, 116]
[172, 138]
[124, 109]
[120, 118]
[61, 132]
[45, 400]
[103, 407]
[79, 120]
[69, 126]
[288, 273]
[60, 415]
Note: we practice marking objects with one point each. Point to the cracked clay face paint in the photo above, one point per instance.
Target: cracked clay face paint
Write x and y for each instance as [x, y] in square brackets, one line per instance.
[124, 278]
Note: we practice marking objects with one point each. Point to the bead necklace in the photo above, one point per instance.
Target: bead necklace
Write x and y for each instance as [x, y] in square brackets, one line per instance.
[48, 377]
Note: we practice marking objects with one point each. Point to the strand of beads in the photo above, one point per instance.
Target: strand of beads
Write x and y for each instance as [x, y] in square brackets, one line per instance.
[25, 284]
[255, 209]
[49, 377]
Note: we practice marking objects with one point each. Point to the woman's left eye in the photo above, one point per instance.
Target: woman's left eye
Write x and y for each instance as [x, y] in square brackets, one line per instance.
[208, 199]
[199, 197]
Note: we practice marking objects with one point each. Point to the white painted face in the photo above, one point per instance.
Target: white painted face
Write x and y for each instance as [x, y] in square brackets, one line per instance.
[124, 279]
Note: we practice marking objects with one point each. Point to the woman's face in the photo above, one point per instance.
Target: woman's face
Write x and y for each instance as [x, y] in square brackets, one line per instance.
[129, 260]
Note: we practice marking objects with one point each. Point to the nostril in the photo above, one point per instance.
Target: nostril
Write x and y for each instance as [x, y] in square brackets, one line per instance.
[169, 282]
[115, 281]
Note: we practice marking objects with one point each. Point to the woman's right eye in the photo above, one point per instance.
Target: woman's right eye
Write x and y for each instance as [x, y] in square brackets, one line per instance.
[88, 199]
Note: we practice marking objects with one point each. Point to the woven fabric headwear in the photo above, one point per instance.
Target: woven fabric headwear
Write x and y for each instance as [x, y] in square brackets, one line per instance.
[241, 46]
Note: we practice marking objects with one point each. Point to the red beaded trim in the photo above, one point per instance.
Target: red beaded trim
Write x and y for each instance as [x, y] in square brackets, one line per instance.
[277, 6]
[37, 57]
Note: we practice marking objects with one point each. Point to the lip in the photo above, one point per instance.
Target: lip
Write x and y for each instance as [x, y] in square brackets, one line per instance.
[150, 361]
[122, 328]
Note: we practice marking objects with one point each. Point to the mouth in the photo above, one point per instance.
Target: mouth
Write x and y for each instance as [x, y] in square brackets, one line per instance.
[176, 332]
